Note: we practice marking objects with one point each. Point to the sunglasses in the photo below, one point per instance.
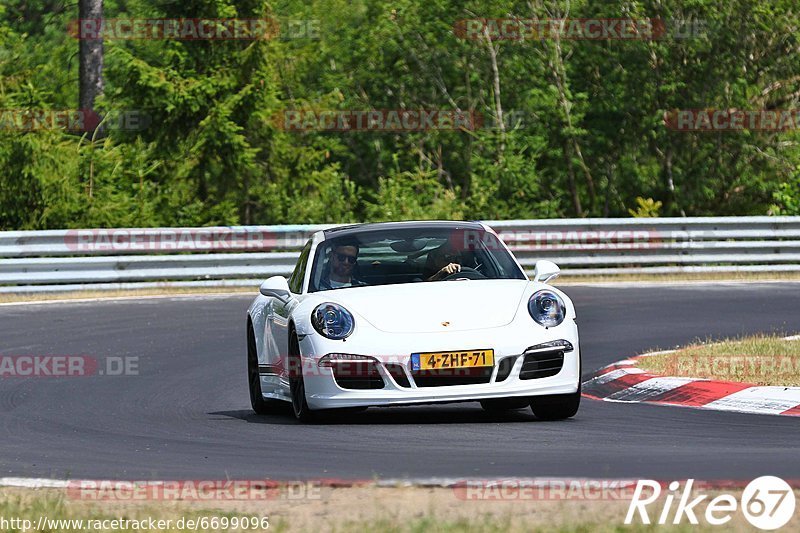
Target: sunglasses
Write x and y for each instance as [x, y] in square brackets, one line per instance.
[344, 257]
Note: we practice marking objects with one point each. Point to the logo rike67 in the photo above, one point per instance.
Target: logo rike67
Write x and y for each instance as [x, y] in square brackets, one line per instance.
[767, 502]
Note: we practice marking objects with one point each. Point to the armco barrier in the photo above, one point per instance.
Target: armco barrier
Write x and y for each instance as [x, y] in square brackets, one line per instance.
[244, 255]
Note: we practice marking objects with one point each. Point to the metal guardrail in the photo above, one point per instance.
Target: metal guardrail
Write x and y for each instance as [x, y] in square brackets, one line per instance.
[244, 255]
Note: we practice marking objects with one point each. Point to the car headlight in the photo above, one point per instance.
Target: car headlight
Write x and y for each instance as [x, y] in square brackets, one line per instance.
[332, 321]
[547, 308]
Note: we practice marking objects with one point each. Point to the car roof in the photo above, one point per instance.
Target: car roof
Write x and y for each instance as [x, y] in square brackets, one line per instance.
[354, 229]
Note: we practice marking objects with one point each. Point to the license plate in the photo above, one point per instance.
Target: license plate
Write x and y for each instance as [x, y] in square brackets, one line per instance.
[462, 359]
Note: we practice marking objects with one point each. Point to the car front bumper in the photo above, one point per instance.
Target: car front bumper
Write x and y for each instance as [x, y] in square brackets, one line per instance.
[509, 343]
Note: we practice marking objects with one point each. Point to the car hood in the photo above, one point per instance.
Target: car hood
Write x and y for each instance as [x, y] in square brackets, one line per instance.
[426, 306]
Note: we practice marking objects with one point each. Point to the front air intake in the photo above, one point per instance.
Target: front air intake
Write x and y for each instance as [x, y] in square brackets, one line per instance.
[504, 368]
[357, 375]
[541, 364]
[398, 373]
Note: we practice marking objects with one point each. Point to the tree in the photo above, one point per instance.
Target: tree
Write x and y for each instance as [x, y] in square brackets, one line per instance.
[90, 57]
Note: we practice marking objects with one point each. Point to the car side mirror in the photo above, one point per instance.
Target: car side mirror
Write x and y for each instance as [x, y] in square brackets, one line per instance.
[545, 271]
[276, 287]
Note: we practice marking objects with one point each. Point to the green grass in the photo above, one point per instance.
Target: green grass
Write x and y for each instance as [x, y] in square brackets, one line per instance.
[760, 360]
[499, 524]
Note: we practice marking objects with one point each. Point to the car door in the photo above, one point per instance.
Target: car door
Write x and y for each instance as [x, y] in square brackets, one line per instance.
[280, 311]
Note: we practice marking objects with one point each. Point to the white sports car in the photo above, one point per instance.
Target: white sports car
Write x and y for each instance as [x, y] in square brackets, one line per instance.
[406, 313]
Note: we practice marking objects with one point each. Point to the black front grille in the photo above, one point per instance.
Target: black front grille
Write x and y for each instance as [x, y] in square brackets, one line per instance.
[504, 368]
[446, 377]
[398, 374]
[542, 364]
[357, 375]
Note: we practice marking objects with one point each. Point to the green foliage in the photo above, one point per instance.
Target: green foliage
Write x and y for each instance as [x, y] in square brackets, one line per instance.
[576, 128]
[645, 208]
[787, 199]
[408, 196]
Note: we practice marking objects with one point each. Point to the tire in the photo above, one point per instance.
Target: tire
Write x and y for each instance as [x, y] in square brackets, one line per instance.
[497, 405]
[297, 387]
[556, 406]
[259, 404]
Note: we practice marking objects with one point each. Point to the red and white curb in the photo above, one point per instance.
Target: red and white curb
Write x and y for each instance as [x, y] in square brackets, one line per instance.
[624, 382]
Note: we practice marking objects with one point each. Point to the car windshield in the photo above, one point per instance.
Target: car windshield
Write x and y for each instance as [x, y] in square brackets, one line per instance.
[413, 255]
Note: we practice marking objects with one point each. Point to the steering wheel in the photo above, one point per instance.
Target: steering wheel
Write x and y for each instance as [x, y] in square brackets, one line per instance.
[466, 273]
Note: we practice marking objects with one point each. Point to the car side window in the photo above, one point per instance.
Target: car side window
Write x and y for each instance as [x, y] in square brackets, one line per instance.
[296, 280]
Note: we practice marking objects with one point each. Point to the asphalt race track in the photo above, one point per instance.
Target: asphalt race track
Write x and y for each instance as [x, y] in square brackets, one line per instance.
[187, 414]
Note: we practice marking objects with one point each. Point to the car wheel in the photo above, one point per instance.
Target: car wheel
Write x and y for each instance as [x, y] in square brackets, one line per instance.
[260, 405]
[505, 404]
[556, 406]
[297, 386]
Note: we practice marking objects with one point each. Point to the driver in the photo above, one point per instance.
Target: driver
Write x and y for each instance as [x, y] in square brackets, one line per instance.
[443, 261]
[341, 267]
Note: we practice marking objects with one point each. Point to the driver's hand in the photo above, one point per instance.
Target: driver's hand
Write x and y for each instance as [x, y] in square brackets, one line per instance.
[447, 270]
